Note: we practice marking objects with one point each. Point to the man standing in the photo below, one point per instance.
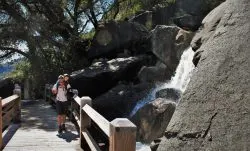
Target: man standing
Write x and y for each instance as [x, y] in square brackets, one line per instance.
[60, 89]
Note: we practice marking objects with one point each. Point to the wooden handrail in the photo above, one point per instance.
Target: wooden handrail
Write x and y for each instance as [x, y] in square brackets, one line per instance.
[78, 100]
[9, 100]
[121, 132]
[98, 119]
[10, 110]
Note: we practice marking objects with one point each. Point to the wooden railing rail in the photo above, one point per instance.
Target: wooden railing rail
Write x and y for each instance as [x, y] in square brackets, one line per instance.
[121, 132]
[10, 111]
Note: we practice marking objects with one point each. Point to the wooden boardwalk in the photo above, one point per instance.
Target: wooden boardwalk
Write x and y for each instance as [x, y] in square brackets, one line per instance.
[38, 130]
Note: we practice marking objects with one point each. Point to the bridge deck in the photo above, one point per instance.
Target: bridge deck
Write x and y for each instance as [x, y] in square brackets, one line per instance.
[38, 130]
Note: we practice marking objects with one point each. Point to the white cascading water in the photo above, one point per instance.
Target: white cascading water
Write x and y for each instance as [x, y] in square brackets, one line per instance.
[183, 72]
[179, 81]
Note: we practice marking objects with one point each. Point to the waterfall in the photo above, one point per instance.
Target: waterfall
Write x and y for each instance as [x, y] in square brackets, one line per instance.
[179, 81]
[183, 72]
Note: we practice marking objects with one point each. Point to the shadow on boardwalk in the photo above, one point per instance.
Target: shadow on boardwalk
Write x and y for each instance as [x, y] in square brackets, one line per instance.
[38, 130]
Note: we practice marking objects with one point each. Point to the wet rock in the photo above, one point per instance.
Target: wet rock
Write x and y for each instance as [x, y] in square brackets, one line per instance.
[120, 100]
[188, 22]
[158, 73]
[168, 44]
[152, 119]
[170, 94]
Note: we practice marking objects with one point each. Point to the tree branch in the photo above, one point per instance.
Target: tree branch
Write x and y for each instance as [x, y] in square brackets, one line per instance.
[70, 14]
[12, 12]
[84, 26]
[14, 50]
[6, 55]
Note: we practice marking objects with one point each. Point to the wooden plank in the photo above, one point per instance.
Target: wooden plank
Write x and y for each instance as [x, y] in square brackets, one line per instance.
[75, 113]
[85, 121]
[8, 107]
[17, 106]
[8, 114]
[75, 107]
[9, 99]
[9, 133]
[76, 118]
[91, 142]
[122, 135]
[98, 119]
[7, 117]
[34, 134]
[78, 100]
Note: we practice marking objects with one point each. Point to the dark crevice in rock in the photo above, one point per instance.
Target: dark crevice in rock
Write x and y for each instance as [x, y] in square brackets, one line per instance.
[192, 135]
[215, 25]
[209, 126]
[169, 135]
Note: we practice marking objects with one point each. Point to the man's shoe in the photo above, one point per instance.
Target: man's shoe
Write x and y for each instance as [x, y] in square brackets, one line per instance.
[60, 129]
[64, 128]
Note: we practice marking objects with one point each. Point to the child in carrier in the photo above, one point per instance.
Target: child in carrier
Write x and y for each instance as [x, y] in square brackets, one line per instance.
[60, 89]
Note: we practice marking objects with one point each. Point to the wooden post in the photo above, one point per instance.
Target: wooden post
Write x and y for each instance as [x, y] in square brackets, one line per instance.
[122, 135]
[17, 91]
[1, 125]
[85, 120]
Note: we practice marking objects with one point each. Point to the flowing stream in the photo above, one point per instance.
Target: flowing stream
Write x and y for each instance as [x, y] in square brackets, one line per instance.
[179, 81]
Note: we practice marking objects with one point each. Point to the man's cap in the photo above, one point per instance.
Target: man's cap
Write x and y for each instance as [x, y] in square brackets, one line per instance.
[60, 77]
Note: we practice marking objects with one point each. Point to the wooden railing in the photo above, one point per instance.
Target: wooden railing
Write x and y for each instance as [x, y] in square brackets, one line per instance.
[10, 111]
[121, 132]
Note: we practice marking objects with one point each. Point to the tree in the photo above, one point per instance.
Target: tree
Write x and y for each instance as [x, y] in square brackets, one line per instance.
[52, 31]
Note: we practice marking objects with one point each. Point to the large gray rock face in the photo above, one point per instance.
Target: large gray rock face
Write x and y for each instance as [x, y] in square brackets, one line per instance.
[157, 73]
[160, 15]
[191, 12]
[152, 119]
[210, 24]
[214, 111]
[168, 44]
[103, 75]
[113, 37]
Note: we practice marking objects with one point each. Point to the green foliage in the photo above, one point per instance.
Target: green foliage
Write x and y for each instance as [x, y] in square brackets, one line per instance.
[149, 4]
[88, 36]
[21, 71]
[129, 9]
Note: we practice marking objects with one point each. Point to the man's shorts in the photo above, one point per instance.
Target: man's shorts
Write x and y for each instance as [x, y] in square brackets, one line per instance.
[61, 107]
